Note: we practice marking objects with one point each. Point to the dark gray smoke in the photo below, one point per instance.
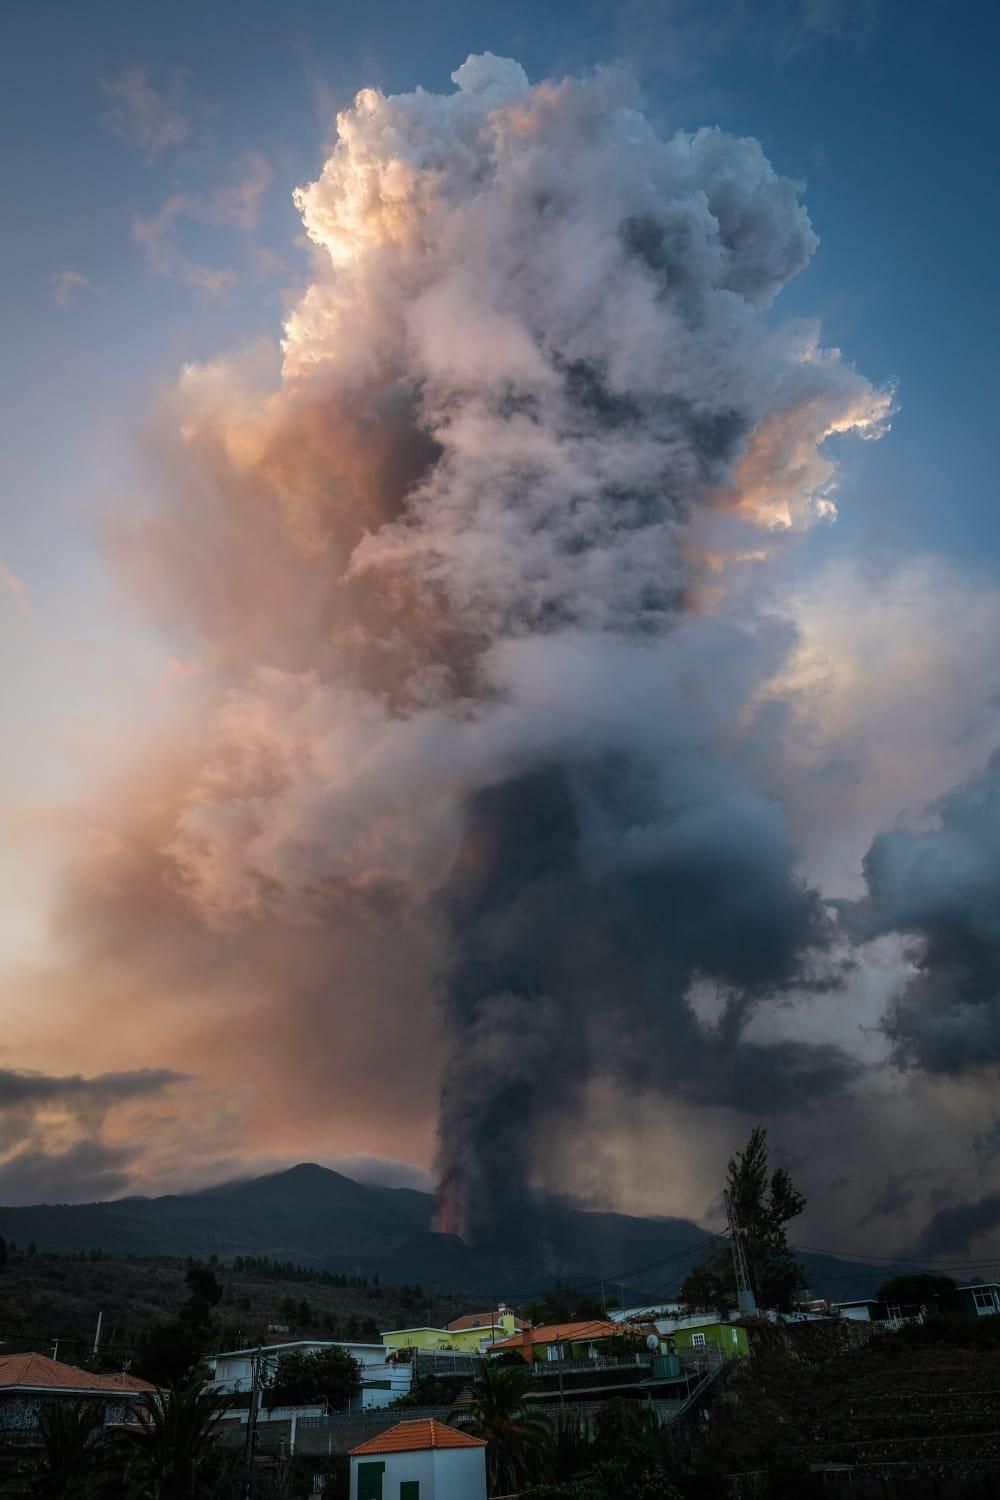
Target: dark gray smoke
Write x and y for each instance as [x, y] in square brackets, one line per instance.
[953, 1230]
[586, 900]
[941, 886]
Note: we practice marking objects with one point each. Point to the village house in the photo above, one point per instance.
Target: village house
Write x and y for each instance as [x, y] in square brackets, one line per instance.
[382, 1382]
[475, 1332]
[592, 1339]
[471, 1334]
[967, 1304]
[677, 1330]
[30, 1382]
[963, 1304]
[731, 1339]
[420, 1460]
[861, 1310]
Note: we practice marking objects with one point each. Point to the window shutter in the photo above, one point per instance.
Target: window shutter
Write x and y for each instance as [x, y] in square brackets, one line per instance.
[370, 1481]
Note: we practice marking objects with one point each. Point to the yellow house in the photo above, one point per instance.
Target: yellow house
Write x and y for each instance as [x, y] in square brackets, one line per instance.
[415, 1338]
[475, 1332]
[471, 1334]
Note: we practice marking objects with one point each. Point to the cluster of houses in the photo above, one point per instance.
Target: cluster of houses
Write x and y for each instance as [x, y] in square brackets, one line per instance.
[658, 1354]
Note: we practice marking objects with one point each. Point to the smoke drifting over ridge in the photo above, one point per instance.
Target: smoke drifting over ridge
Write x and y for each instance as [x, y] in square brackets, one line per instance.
[470, 597]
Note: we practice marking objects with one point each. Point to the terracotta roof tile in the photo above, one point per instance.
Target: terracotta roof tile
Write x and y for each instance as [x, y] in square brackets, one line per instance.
[37, 1371]
[486, 1320]
[553, 1333]
[410, 1437]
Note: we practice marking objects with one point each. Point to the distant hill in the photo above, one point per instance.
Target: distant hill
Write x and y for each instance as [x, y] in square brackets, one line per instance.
[317, 1217]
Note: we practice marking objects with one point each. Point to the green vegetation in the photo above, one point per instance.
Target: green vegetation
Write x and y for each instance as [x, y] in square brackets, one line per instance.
[433, 1390]
[324, 1377]
[171, 1454]
[563, 1305]
[916, 1289]
[269, 1269]
[68, 1465]
[764, 1205]
[169, 1352]
[53, 1297]
[629, 1456]
[519, 1437]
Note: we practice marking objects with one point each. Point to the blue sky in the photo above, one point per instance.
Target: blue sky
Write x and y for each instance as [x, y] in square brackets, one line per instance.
[886, 111]
[150, 153]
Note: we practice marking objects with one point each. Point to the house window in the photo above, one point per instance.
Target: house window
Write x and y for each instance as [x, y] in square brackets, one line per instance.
[985, 1299]
[409, 1489]
[697, 1341]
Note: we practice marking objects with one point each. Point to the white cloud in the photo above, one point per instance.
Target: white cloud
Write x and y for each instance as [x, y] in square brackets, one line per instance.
[66, 285]
[142, 116]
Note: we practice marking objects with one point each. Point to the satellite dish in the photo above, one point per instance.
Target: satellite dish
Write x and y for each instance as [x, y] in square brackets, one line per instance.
[652, 1342]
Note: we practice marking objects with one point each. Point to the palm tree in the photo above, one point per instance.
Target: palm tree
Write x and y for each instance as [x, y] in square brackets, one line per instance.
[174, 1445]
[67, 1465]
[519, 1438]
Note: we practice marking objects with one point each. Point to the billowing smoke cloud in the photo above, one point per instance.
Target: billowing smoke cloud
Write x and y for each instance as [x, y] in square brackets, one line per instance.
[481, 686]
[52, 1144]
[939, 886]
[956, 1229]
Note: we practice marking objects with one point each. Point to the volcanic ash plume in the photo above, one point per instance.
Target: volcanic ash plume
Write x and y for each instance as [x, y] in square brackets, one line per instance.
[471, 597]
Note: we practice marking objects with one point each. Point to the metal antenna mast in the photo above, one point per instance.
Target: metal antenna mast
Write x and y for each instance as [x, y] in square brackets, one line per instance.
[746, 1301]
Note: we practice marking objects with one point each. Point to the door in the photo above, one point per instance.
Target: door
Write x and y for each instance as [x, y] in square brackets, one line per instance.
[370, 1481]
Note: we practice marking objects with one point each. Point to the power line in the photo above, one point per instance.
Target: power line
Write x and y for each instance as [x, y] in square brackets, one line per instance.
[896, 1260]
[653, 1265]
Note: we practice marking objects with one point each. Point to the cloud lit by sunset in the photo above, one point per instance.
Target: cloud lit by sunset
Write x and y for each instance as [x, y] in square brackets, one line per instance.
[497, 612]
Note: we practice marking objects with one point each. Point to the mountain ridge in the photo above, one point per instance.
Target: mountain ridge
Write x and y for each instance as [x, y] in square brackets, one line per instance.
[322, 1219]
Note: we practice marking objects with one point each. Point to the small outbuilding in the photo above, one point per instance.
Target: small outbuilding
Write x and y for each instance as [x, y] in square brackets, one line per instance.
[419, 1460]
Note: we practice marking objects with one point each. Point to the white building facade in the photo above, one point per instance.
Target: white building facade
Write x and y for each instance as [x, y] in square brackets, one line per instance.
[382, 1382]
[419, 1460]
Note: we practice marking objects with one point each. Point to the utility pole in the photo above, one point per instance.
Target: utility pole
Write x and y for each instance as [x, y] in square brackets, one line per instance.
[254, 1403]
[745, 1299]
[55, 1349]
[97, 1335]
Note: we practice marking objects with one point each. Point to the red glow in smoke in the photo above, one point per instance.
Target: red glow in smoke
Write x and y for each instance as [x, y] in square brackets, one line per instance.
[448, 1216]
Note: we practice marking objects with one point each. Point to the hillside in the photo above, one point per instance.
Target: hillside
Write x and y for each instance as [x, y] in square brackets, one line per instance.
[45, 1297]
[915, 1411]
[316, 1217]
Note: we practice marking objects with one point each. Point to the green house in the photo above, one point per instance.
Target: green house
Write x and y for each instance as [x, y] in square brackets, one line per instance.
[729, 1337]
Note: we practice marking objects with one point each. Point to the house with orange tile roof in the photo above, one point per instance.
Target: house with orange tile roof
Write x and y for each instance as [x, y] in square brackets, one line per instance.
[29, 1381]
[580, 1340]
[419, 1460]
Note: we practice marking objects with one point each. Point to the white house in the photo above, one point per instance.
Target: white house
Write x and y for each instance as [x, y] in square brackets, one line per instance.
[864, 1310]
[644, 1314]
[381, 1382]
[423, 1460]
